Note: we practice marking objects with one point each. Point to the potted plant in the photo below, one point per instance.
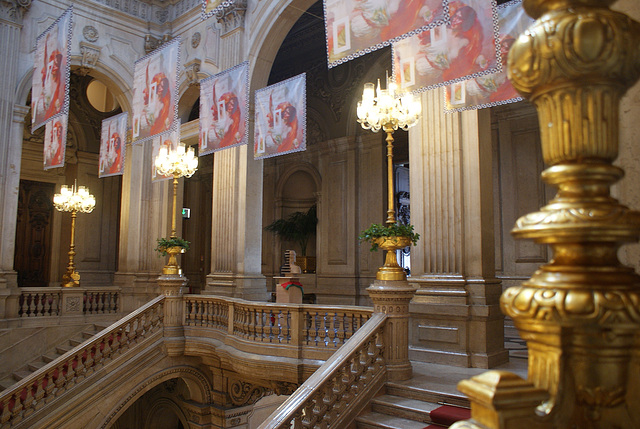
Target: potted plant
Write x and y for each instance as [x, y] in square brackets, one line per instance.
[171, 246]
[389, 237]
[298, 227]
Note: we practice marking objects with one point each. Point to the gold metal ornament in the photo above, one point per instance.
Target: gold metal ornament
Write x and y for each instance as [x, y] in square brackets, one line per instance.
[580, 313]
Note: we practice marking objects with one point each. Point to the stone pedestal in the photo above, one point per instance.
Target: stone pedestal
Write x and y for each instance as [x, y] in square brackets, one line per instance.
[172, 287]
[287, 293]
[72, 301]
[392, 298]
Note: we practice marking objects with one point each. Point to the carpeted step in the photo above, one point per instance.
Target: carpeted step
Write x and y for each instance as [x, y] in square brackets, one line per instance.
[446, 415]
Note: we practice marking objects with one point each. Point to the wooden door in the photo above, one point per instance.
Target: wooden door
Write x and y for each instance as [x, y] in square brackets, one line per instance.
[33, 233]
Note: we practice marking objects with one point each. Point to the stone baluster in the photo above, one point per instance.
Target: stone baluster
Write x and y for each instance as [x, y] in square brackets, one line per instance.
[579, 314]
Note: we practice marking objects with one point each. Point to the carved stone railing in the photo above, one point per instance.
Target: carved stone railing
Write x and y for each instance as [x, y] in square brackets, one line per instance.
[43, 386]
[338, 390]
[50, 301]
[298, 329]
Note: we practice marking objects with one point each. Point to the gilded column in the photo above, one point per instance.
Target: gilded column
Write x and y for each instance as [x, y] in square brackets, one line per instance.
[236, 239]
[579, 314]
[456, 315]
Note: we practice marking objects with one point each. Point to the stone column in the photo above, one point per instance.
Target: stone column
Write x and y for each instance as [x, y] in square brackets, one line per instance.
[236, 239]
[392, 298]
[145, 216]
[11, 122]
[456, 315]
[172, 287]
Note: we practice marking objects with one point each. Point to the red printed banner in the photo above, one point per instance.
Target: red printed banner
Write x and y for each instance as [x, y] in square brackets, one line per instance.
[280, 121]
[449, 53]
[224, 107]
[50, 85]
[55, 142]
[356, 27]
[155, 92]
[491, 89]
[113, 138]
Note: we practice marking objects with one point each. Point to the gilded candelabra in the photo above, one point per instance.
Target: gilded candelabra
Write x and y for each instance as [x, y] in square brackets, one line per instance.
[388, 110]
[580, 313]
[73, 199]
[180, 162]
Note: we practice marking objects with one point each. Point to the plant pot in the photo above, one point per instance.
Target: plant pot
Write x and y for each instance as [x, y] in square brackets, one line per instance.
[172, 267]
[306, 263]
[391, 270]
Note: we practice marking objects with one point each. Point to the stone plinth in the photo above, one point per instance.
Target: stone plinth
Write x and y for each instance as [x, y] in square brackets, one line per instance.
[288, 291]
[172, 287]
[392, 298]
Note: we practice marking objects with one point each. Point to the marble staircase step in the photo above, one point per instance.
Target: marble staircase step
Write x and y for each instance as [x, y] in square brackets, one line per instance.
[373, 420]
[407, 408]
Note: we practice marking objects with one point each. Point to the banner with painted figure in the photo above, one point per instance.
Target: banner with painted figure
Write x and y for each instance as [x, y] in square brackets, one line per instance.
[211, 7]
[492, 89]
[281, 118]
[170, 141]
[113, 138]
[465, 48]
[50, 84]
[155, 92]
[224, 107]
[55, 142]
[356, 27]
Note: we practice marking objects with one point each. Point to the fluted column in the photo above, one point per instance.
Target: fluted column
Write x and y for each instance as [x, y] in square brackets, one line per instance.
[579, 314]
[236, 239]
[457, 318]
[11, 124]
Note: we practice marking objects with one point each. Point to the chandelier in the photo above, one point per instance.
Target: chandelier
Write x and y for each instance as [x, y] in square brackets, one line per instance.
[180, 162]
[388, 110]
[73, 199]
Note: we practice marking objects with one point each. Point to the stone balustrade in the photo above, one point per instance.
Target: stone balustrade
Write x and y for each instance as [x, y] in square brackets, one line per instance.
[60, 301]
[339, 389]
[35, 391]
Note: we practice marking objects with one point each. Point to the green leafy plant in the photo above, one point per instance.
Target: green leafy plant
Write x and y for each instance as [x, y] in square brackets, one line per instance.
[165, 243]
[297, 227]
[376, 231]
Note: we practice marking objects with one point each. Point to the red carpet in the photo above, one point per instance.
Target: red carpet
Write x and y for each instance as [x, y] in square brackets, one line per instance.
[447, 415]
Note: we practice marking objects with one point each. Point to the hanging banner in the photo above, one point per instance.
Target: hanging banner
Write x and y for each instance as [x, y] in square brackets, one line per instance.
[55, 142]
[467, 47]
[491, 89]
[224, 107]
[50, 84]
[170, 141]
[281, 118]
[155, 92]
[356, 27]
[211, 7]
[113, 139]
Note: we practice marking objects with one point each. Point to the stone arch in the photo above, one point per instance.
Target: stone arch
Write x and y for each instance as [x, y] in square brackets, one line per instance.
[158, 412]
[200, 390]
[304, 171]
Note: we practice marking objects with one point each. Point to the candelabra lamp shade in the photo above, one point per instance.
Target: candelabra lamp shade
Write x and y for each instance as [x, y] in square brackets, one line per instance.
[73, 199]
[388, 110]
[180, 162]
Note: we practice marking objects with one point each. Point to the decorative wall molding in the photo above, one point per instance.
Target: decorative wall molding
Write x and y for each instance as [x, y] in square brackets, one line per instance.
[231, 16]
[90, 55]
[191, 69]
[14, 10]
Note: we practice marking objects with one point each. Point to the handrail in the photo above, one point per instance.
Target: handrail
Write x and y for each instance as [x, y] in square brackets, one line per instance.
[48, 301]
[42, 386]
[325, 396]
[295, 326]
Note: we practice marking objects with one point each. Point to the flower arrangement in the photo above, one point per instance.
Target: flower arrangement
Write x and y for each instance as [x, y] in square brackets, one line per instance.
[376, 231]
[166, 243]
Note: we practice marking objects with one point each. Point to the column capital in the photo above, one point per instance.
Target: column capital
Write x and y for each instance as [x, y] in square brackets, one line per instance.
[14, 10]
[231, 15]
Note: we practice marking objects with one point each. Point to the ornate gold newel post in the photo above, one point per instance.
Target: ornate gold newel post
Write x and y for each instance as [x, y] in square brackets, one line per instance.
[391, 293]
[580, 314]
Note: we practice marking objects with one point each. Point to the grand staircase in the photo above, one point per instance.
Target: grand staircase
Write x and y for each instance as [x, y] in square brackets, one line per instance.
[35, 363]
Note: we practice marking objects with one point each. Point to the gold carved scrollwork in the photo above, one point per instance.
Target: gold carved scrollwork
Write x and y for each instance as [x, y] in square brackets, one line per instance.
[580, 313]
